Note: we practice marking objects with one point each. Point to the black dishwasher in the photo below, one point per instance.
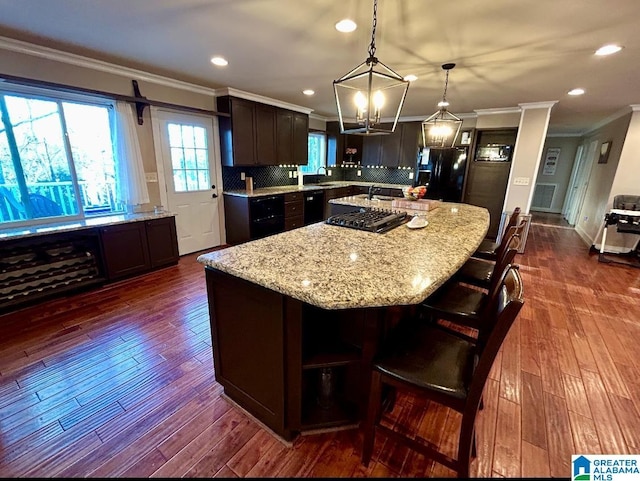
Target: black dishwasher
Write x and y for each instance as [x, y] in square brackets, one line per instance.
[313, 207]
[267, 215]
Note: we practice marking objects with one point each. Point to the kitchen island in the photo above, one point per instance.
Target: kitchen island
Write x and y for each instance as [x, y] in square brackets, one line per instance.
[296, 317]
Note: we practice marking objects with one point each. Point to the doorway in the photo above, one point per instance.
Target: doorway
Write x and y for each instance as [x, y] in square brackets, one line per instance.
[188, 176]
[579, 182]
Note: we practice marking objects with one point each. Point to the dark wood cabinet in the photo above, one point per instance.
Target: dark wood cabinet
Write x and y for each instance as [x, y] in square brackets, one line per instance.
[37, 268]
[399, 149]
[163, 241]
[293, 210]
[337, 145]
[292, 137]
[134, 248]
[237, 132]
[411, 144]
[261, 134]
[300, 138]
[293, 366]
[266, 152]
[125, 249]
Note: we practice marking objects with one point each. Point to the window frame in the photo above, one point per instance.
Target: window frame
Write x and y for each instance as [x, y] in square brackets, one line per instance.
[59, 97]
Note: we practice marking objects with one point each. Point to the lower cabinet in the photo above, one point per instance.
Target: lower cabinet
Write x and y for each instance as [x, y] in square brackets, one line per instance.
[37, 268]
[293, 366]
[293, 211]
[137, 247]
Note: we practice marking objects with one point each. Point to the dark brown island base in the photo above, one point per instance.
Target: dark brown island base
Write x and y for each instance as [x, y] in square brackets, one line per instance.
[296, 317]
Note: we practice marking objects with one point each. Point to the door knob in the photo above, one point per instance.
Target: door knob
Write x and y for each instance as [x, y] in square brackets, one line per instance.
[213, 186]
[214, 196]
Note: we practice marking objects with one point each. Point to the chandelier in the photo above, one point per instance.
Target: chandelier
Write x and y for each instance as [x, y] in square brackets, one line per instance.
[441, 128]
[367, 92]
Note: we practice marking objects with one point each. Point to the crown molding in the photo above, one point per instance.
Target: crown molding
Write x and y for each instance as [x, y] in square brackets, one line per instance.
[538, 105]
[259, 98]
[86, 62]
[496, 111]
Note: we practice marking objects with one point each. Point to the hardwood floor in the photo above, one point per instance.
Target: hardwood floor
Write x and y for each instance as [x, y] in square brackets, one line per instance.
[119, 382]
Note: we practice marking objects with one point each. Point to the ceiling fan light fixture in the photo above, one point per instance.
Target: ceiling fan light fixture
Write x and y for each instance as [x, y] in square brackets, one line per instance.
[441, 128]
[367, 92]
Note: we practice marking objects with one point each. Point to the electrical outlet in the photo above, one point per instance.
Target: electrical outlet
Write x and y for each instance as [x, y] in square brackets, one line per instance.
[329, 172]
[151, 176]
[521, 181]
[410, 175]
[359, 173]
[242, 176]
[295, 174]
[291, 174]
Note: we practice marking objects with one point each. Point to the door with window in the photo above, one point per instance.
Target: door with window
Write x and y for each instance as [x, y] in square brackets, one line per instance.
[186, 162]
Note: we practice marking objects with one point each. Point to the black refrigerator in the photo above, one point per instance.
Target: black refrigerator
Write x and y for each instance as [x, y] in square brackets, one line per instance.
[442, 170]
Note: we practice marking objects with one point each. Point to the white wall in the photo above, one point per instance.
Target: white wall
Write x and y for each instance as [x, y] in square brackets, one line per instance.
[564, 165]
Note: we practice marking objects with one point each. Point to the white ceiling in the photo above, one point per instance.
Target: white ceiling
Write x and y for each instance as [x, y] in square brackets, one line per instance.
[507, 52]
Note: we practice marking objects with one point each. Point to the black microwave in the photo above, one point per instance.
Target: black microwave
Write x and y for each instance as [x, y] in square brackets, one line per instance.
[494, 153]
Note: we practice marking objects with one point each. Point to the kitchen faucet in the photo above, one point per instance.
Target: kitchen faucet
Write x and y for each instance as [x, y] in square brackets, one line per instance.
[321, 167]
[372, 189]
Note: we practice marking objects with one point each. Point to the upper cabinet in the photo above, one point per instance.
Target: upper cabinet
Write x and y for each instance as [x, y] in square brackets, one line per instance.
[292, 137]
[398, 149]
[337, 145]
[261, 134]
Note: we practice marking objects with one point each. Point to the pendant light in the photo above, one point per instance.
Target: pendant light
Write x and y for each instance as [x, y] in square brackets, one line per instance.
[441, 128]
[367, 92]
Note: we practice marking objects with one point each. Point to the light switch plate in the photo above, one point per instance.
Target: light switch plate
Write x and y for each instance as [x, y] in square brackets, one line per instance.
[410, 175]
[521, 181]
[242, 176]
[151, 176]
[359, 173]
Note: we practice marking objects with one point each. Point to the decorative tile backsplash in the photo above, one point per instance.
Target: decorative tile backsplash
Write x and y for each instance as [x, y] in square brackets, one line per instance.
[276, 176]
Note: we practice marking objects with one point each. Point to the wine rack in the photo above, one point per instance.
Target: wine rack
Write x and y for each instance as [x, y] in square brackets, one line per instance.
[34, 269]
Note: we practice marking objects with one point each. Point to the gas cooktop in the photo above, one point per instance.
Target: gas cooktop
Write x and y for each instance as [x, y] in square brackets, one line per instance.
[369, 219]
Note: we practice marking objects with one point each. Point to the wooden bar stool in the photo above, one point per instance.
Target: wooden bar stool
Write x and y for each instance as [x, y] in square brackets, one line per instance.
[444, 368]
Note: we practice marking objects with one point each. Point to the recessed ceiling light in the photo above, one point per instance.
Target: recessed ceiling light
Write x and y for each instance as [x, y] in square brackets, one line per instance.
[608, 49]
[411, 78]
[346, 25]
[219, 61]
[576, 92]
[308, 92]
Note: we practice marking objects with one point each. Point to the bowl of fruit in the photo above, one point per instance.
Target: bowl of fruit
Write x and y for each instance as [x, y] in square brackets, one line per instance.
[414, 193]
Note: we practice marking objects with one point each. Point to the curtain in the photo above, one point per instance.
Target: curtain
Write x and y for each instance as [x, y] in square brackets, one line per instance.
[132, 186]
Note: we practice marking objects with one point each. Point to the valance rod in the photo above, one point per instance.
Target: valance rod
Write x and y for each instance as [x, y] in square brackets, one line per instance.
[139, 100]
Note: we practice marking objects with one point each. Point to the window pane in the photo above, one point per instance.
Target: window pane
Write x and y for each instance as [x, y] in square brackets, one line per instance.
[42, 159]
[90, 139]
[200, 138]
[190, 163]
[175, 135]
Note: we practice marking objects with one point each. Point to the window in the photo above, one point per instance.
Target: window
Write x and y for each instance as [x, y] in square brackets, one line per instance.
[56, 156]
[189, 157]
[317, 157]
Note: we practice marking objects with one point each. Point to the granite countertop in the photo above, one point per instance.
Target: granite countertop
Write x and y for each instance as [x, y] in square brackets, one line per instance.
[284, 189]
[67, 226]
[335, 267]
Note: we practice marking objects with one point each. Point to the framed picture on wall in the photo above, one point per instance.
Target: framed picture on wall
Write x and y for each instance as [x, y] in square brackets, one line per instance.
[605, 148]
[551, 161]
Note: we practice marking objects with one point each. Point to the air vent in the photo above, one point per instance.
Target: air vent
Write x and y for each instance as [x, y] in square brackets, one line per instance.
[543, 196]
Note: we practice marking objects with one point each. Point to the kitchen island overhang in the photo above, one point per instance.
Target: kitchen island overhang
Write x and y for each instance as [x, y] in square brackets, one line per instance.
[270, 297]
